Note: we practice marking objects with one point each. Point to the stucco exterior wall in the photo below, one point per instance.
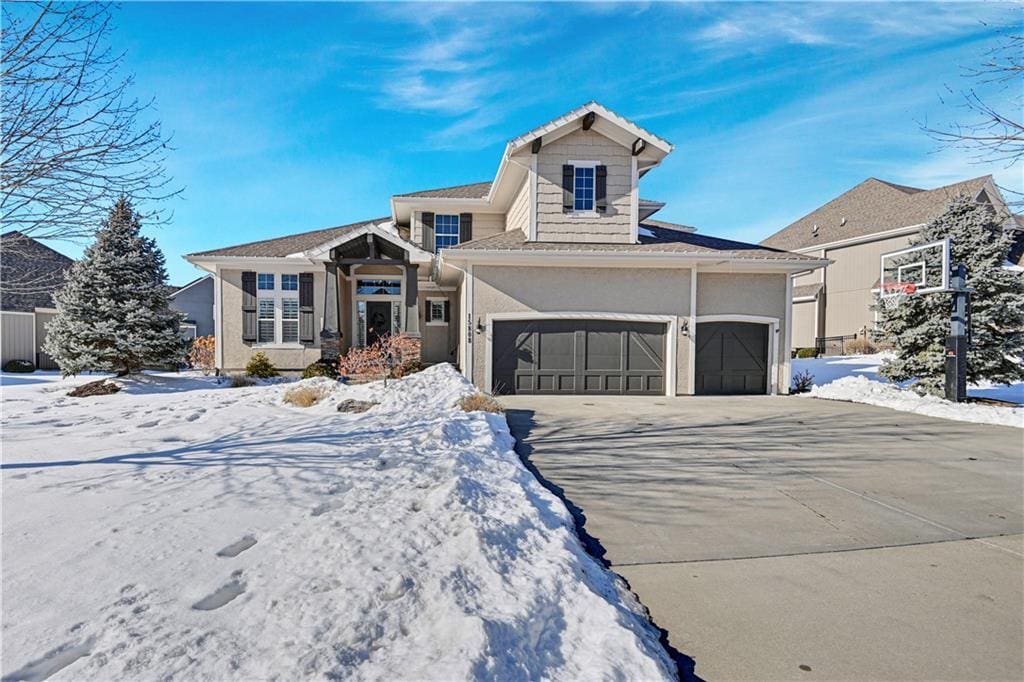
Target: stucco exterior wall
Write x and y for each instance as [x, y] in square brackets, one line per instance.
[498, 289]
[804, 324]
[17, 337]
[440, 341]
[583, 145]
[238, 352]
[519, 212]
[848, 283]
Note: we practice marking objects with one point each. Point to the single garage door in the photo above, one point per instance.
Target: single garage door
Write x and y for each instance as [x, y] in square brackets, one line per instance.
[732, 358]
[578, 357]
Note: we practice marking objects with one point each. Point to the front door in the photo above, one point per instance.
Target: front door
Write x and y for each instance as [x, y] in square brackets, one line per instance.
[378, 321]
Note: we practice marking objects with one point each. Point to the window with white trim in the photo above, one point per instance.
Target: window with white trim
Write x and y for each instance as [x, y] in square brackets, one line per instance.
[446, 231]
[435, 311]
[266, 320]
[289, 320]
[583, 187]
[277, 310]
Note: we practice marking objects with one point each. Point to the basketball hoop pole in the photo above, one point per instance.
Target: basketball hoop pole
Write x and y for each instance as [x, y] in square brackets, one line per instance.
[956, 342]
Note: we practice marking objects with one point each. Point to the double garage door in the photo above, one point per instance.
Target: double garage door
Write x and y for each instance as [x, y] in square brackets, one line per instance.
[611, 357]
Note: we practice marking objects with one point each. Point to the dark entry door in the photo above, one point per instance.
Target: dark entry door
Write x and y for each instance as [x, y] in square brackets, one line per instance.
[732, 358]
[578, 357]
[378, 320]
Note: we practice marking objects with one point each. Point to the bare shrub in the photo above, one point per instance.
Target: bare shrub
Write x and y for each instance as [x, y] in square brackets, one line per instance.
[241, 381]
[861, 347]
[306, 396]
[391, 357]
[481, 402]
[802, 382]
[202, 354]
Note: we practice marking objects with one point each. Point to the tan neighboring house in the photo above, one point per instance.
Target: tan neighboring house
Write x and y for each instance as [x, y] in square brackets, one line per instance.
[834, 304]
[551, 278]
[30, 273]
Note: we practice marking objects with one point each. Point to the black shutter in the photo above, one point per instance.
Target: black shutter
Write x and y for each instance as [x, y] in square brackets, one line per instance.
[601, 188]
[248, 306]
[428, 232]
[465, 227]
[447, 311]
[306, 327]
[568, 172]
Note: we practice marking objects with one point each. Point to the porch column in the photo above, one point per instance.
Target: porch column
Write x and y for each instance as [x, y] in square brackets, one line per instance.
[412, 295]
[330, 335]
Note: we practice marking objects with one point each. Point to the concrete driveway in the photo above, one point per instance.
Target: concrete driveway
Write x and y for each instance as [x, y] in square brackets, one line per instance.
[793, 538]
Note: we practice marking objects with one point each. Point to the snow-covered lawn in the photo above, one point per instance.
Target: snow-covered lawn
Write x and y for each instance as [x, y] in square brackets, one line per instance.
[855, 378]
[181, 530]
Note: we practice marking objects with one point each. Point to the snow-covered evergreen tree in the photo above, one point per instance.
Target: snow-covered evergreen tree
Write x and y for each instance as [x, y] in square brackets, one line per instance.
[918, 327]
[112, 312]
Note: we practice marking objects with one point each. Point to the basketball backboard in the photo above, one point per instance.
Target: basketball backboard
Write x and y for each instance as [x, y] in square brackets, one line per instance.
[920, 269]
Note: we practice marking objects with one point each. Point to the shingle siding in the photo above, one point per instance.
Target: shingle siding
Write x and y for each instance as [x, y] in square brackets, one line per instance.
[583, 145]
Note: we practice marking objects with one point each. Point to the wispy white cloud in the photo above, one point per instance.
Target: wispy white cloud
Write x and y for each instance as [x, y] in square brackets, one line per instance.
[761, 26]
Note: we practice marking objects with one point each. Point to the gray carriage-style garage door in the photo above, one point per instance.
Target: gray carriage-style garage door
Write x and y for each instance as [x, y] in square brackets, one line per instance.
[578, 357]
[732, 358]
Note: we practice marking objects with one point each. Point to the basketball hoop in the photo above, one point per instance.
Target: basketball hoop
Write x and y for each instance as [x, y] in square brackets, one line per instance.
[895, 293]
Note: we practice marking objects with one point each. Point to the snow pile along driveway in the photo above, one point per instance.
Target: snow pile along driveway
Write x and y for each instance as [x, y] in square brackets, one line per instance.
[860, 389]
[184, 531]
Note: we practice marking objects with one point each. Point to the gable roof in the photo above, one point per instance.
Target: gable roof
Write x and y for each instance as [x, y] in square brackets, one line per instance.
[571, 117]
[281, 247]
[656, 237]
[30, 273]
[474, 190]
[872, 206]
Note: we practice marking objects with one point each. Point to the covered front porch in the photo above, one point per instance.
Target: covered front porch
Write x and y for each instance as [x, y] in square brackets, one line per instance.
[374, 288]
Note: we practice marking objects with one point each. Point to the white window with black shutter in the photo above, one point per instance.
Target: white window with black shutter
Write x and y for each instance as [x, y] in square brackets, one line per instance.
[277, 308]
[443, 230]
[438, 312]
[584, 189]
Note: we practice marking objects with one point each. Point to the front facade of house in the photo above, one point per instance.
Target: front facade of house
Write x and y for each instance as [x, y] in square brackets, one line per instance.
[552, 278]
[852, 231]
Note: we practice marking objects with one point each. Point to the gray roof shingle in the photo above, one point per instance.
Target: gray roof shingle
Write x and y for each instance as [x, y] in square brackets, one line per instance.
[475, 190]
[662, 240]
[283, 246]
[872, 206]
[30, 273]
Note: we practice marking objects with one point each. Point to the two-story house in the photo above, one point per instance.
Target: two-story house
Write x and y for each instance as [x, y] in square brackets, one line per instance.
[551, 278]
[852, 232]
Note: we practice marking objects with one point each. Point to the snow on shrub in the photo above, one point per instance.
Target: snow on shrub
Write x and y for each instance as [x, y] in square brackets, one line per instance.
[19, 366]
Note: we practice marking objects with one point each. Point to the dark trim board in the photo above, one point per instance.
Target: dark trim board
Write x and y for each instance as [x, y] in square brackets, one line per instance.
[578, 357]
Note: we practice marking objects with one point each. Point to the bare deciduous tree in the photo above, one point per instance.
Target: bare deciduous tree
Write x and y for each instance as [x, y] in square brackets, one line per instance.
[991, 133]
[73, 138]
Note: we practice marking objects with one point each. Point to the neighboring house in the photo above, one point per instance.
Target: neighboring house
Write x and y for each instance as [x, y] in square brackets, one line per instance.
[552, 278]
[195, 302]
[834, 304]
[30, 273]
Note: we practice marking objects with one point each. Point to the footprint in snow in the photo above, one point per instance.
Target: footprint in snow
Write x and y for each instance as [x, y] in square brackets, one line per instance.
[149, 424]
[52, 662]
[222, 595]
[397, 588]
[237, 547]
[325, 507]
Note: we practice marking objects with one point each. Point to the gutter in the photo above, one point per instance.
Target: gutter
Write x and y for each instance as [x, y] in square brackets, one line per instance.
[622, 259]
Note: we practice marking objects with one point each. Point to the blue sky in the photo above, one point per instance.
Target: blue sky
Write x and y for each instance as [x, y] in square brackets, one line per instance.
[292, 117]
